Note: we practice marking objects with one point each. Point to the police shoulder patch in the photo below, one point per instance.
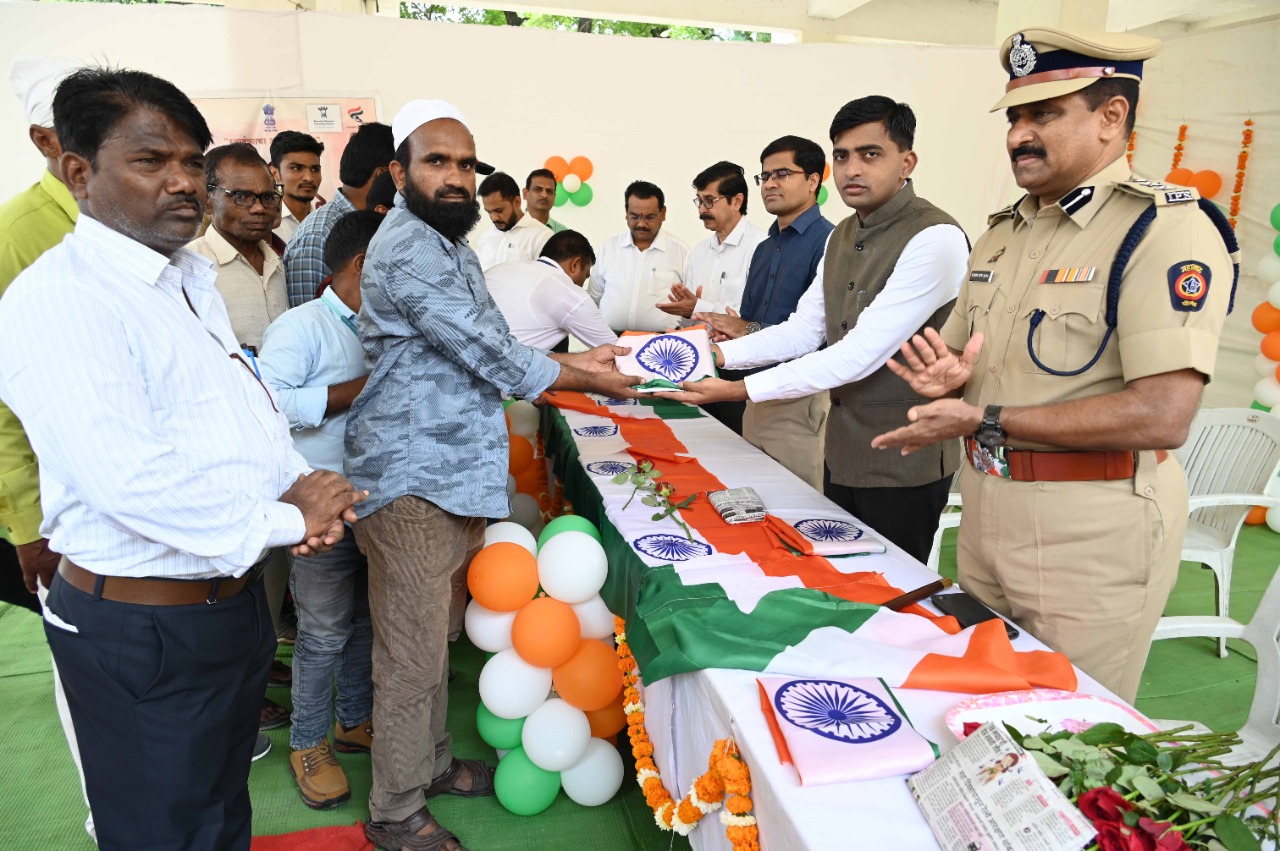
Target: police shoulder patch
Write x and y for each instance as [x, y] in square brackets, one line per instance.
[1189, 285]
[1163, 194]
[1005, 213]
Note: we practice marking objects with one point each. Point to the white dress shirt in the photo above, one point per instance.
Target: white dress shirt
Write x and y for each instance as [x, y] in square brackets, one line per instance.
[627, 282]
[926, 276]
[289, 222]
[523, 241]
[161, 453]
[543, 305]
[253, 301]
[720, 268]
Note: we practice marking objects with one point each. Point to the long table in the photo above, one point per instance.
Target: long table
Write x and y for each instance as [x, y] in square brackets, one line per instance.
[687, 712]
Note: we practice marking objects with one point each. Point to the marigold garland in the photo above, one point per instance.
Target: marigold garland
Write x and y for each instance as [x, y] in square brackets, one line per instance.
[1246, 140]
[1133, 137]
[726, 776]
[1177, 149]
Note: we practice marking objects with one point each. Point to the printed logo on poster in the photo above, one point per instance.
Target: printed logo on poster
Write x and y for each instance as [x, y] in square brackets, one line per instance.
[355, 114]
[324, 118]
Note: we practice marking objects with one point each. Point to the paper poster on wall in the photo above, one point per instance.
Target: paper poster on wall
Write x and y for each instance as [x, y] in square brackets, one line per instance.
[257, 119]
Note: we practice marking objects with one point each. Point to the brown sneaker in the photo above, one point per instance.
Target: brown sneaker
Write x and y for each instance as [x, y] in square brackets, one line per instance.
[359, 739]
[319, 777]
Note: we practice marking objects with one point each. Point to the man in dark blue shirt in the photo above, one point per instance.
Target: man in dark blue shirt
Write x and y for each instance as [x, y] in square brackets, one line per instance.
[790, 430]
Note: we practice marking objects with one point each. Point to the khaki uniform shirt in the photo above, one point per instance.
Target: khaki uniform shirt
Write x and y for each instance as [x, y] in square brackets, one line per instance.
[252, 300]
[1056, 261]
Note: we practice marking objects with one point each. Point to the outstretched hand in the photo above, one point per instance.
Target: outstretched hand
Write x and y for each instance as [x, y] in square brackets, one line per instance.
[932, 369]
[932, 423]
[707, 390]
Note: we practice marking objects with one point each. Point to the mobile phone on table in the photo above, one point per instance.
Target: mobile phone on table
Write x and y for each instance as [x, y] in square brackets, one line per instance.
[968, 611]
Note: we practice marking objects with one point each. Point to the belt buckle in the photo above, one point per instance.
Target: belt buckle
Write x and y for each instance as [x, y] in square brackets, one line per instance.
[987, 460]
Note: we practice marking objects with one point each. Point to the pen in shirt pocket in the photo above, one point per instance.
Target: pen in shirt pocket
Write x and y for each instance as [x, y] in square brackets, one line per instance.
[251, 351]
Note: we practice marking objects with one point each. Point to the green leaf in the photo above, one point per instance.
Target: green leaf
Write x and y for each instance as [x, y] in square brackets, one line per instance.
[1141, 752]
[1170, 786]
[621, 478]
[1164, 761]
[1234, 835]
[655, 474]
[1033, 743]
[1148, 788]
[1100, 734]
[1050, 766]
[649, 500]
[1075, 749]
[1130, 818]
[1015, 734]
[1194, 804]
[1113, 776]
[658, 516]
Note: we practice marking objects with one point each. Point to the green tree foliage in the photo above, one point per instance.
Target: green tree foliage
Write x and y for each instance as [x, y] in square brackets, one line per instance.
[599, 26]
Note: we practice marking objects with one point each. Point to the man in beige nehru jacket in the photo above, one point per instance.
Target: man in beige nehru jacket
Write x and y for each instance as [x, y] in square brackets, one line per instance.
[1083, 336]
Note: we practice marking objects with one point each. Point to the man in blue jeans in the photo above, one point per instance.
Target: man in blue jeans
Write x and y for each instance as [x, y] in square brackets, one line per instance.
[311, 357]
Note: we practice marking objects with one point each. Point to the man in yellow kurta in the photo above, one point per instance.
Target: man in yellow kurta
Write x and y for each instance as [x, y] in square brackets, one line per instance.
[1081, 342]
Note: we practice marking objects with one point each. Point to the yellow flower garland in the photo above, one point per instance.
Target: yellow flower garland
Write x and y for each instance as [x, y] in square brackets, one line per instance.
[726, 775]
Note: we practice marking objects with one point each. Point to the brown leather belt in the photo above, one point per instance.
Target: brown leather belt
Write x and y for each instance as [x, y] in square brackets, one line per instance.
[1028, 465]
[154, 592]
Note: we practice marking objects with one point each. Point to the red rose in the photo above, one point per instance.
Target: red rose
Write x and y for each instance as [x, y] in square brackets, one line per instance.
[1114, 836]
[1166, 839]
[1103, 804]
[971, 727]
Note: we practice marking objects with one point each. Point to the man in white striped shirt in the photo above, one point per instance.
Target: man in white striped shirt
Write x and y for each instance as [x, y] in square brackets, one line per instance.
[166, 474]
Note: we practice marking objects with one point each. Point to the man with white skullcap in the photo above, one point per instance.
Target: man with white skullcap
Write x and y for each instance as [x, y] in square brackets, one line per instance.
[32, 222]
[426, 437]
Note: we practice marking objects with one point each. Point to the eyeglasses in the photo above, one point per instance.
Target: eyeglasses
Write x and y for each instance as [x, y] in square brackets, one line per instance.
[647, 218]
[708, 202]
[245, 198]
[778, 174]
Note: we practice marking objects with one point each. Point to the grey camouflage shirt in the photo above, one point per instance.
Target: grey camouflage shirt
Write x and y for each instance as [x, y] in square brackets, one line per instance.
[429, 422]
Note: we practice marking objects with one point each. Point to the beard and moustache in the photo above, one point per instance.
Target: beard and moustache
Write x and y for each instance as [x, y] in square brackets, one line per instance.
[452, 219]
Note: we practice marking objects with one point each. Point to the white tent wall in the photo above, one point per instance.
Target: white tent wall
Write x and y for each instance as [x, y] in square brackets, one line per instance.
[663, 110]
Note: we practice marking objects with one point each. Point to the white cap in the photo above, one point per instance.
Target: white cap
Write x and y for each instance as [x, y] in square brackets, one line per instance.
[416, 113]
[34, 80]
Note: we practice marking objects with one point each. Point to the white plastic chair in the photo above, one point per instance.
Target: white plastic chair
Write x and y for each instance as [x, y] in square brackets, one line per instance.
[1230, 457]
[1261, 731]
[950, 519]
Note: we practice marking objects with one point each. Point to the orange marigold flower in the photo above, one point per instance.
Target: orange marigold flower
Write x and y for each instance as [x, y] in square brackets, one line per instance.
[688, 812]
[739, 805]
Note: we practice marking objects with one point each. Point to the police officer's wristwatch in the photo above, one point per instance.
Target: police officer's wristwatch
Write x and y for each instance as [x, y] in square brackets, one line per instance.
[753, 327]
[990, 433]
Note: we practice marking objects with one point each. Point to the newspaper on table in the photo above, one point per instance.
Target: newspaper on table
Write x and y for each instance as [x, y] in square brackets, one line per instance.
[988, 794]
[738, 505]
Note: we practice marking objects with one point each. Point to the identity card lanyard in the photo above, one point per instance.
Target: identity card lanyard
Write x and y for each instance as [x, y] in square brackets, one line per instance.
[346, 320]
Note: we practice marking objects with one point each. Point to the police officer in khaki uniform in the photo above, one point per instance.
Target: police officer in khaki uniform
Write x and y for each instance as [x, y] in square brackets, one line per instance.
[1074, 512]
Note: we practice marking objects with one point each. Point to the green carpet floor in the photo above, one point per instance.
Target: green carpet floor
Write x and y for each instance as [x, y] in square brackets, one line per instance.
[41, 808]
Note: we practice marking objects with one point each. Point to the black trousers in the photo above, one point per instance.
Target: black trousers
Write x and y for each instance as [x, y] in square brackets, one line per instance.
[12, 588]
[165, 702]
[906, 516]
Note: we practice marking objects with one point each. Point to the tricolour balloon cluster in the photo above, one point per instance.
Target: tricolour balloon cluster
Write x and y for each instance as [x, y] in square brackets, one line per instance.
[551, 695]
[1266, 321]
[527, 479]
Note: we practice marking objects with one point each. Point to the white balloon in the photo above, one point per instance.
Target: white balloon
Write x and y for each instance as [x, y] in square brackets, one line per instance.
[487, 629]
[1268, 269]
[512, 688]
[511, 485]
[595, 618]
[513, 533]
[1266, 391]
[1264, 366]
[572, 567]
[556, 735]
[525, 511]
[1273, 295]
[572, 183]
[595, 778]
[501, 753]
[1273, 519]
[524, 418]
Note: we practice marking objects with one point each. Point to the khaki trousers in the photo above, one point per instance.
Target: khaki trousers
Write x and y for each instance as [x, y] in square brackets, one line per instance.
[1086, 567]
[791, 432]
[418, 557]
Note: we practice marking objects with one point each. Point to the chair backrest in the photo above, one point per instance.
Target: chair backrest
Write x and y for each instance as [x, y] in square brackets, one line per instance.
[1229, 450]
[1261, 730]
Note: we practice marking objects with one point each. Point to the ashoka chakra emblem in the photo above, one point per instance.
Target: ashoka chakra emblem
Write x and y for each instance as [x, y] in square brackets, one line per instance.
[617, 403]
[829, 530]
[607, 468]
[836, 711]
[672, 357]
[671, 547]
[596, 431]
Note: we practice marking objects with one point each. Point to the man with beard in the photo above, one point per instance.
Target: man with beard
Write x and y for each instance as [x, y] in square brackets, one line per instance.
[427, 437]
[166, 473]
[1074, 510]
[295, 164]
[515, 236]
[245, 202]
[639, 265]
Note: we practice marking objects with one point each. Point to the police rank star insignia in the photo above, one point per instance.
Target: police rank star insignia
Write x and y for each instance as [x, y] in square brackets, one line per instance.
[1022, 57]
[1188, 285]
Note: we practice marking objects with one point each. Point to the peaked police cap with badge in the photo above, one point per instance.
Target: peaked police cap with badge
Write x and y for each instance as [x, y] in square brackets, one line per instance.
[1046, 63]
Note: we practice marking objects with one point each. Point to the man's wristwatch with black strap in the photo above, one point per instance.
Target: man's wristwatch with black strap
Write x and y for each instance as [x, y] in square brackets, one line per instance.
[990, 433]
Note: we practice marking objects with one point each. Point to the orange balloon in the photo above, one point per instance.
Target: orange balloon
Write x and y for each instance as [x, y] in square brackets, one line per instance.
[1271, 345]
[826, 171]
[591, 679]
[582, 167]
[1180, 176]
[558, 167]
[1256, 517]
[609, 721]
[528, 481]
[503, 577]
[521, 457]
[1208, 183]
[1266, 318]
[546, 632]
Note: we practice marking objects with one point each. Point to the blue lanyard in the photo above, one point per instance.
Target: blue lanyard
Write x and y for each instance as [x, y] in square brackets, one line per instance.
[346, 320]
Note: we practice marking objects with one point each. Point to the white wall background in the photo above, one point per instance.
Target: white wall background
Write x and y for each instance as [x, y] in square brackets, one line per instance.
[663, 110]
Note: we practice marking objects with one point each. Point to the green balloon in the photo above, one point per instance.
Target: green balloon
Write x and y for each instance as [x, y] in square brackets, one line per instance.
[562, 196]
[500, 734]
[522, 787]
[583, 196]
[822, 195]
[1276, 245]
[1258, 406]
[568, 523]
[1275, 217]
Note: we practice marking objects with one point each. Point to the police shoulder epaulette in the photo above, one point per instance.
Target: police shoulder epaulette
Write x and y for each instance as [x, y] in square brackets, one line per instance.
[1163, 194]
[1006, 213]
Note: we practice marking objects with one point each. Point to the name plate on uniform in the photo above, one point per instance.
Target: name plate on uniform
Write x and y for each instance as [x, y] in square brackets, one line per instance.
[981, 276]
